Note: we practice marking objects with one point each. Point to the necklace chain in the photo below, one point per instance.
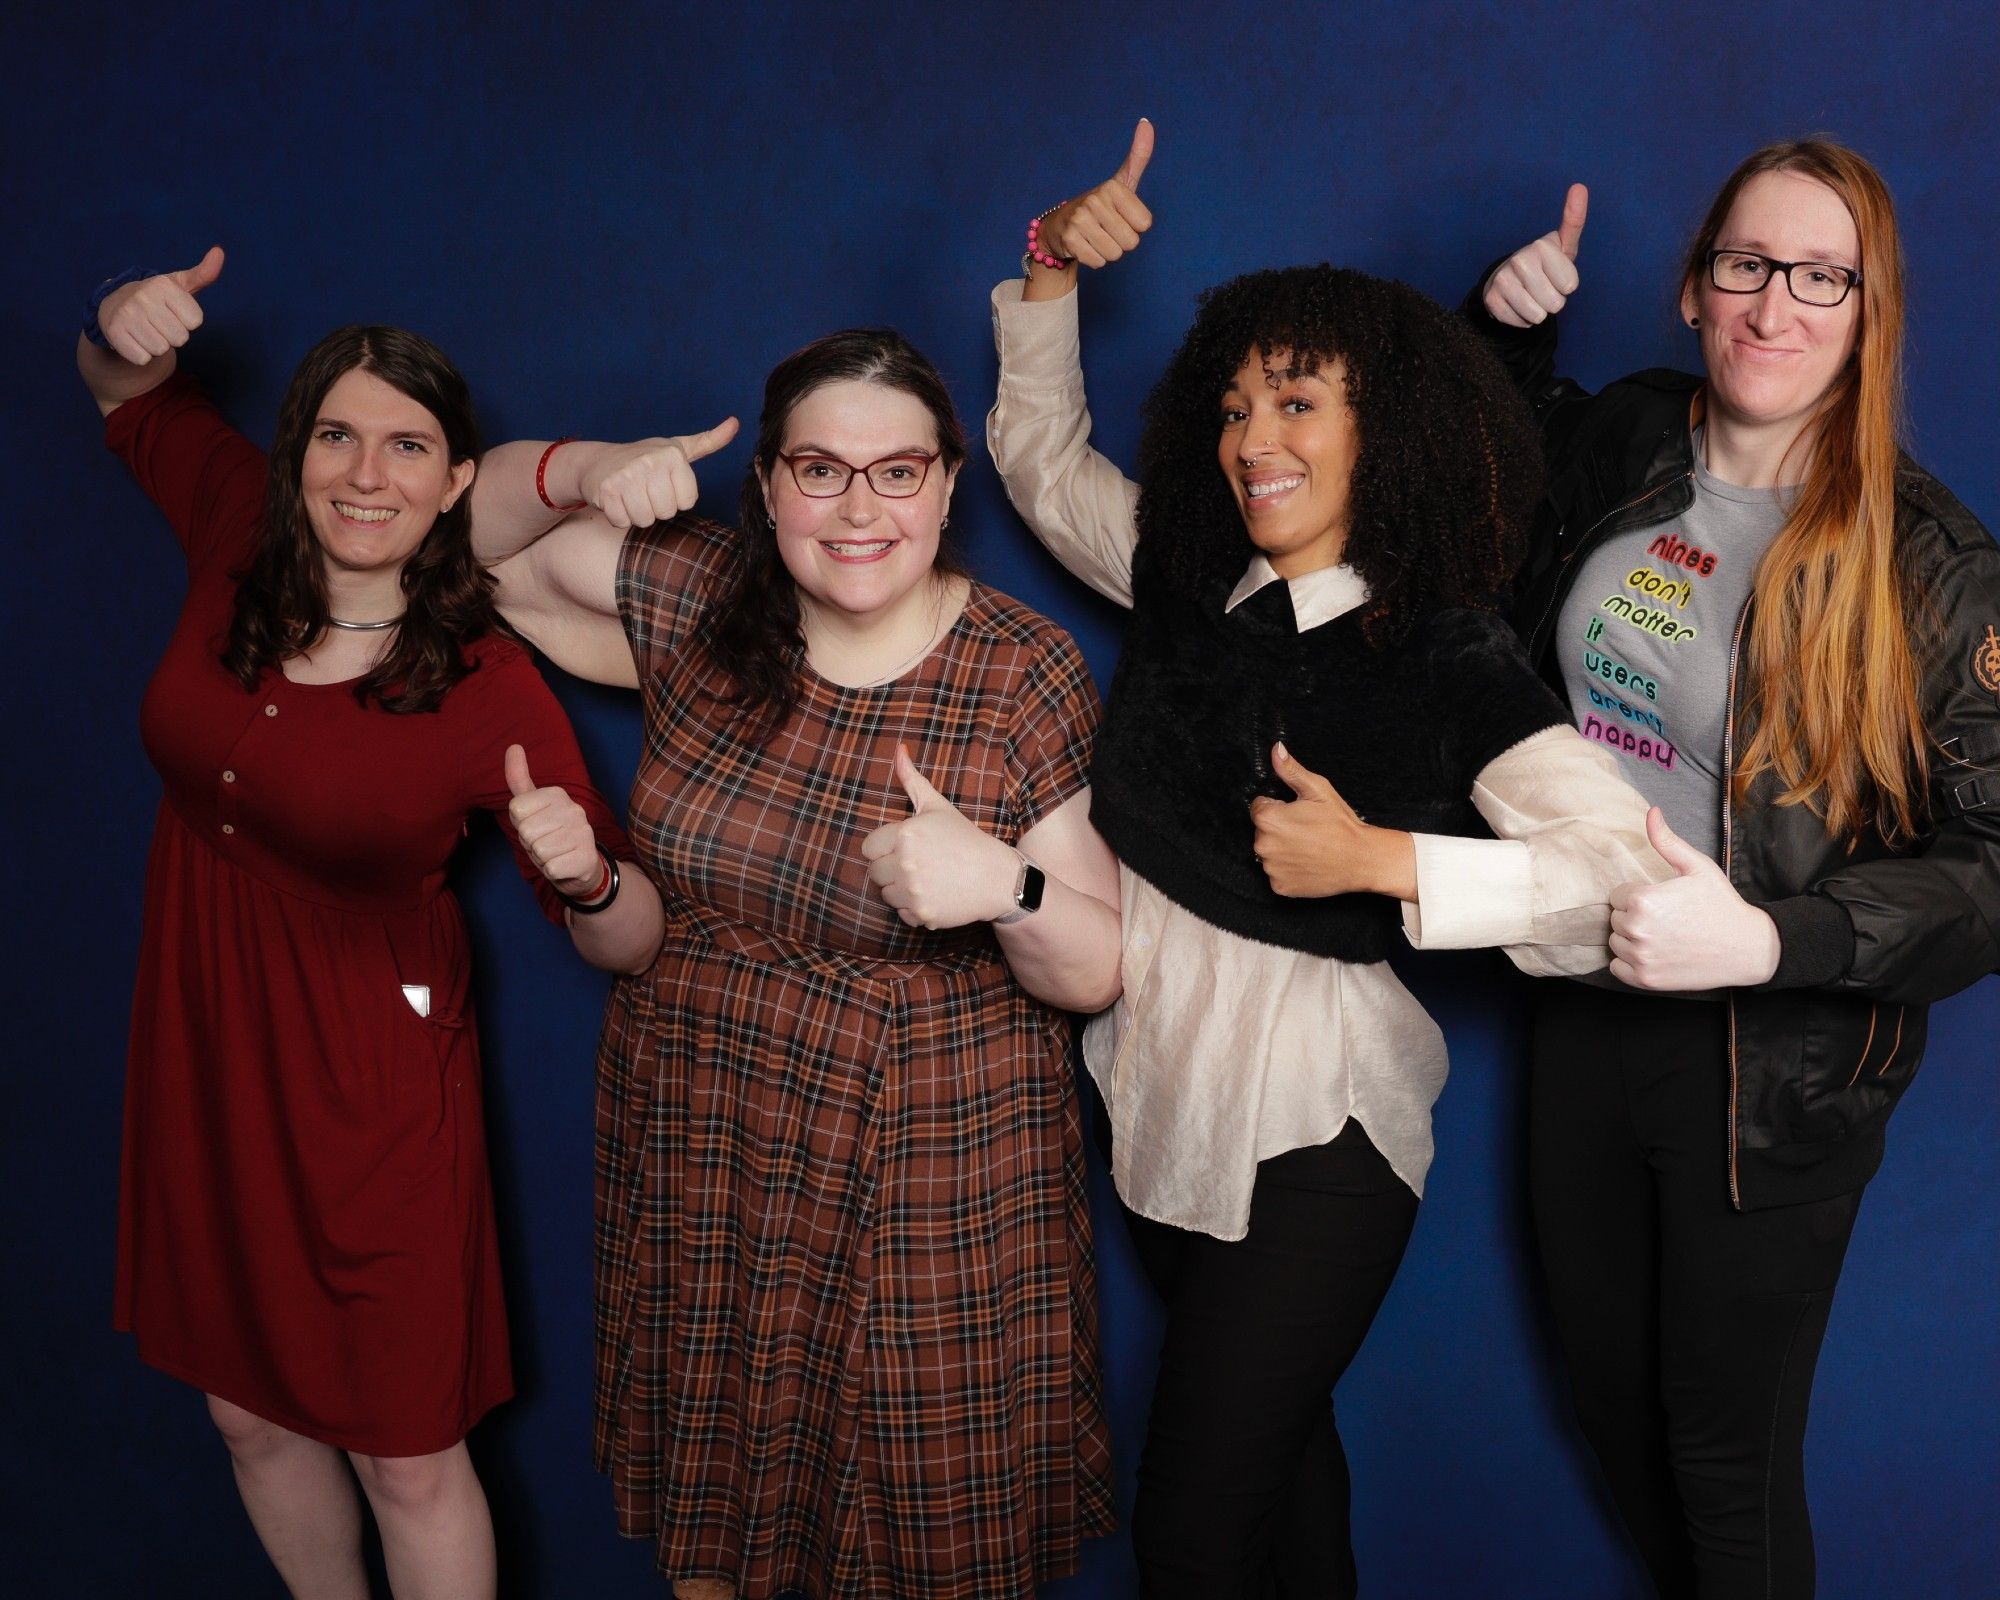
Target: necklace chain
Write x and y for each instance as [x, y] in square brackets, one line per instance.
[922, 650]
[364, 627]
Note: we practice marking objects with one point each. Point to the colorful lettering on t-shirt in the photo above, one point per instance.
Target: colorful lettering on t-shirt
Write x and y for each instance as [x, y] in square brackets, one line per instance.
[1659, 586]
[1616, 672]
[1682, 554]
[1611, 702]
[1645, 748]
[1648, 619]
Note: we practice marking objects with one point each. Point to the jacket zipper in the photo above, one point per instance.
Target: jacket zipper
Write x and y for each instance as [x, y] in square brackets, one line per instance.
[1584, 541]
[1728, 856]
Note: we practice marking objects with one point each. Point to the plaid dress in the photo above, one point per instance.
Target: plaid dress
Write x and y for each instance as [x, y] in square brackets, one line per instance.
[846, 1307]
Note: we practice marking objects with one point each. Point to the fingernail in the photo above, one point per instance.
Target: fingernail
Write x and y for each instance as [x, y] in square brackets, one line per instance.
[1280, 751]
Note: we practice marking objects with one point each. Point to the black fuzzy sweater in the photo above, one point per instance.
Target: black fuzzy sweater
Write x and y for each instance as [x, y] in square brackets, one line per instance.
[1401, 731]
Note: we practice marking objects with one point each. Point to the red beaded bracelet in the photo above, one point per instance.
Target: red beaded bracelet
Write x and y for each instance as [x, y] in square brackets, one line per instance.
[1036, 252]
[542, 475]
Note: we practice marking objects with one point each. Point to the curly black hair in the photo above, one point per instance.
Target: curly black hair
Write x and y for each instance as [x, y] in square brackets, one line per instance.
[1448, 461]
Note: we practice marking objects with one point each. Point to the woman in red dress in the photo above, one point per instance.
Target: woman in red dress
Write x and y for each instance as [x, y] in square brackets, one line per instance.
[306, 1224]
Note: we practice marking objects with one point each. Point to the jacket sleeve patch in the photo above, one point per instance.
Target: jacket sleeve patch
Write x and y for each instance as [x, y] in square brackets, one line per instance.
[1986, 662]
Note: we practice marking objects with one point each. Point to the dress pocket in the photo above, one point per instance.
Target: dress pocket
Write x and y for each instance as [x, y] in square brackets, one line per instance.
[423, 950]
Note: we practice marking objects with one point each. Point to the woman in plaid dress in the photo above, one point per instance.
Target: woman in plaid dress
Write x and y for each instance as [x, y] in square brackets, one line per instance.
[846, 1302]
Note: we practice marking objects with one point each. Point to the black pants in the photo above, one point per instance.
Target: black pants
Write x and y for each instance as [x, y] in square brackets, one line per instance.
[1690, 1329]
[1242, 1483]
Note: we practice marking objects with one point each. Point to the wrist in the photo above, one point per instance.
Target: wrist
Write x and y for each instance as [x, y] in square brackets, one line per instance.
[587, 899]
[1002, 873]
[1046, 283]
[1027, 886]
[109, 289]
[1768, 948]
[559, 473]
[1391, 855]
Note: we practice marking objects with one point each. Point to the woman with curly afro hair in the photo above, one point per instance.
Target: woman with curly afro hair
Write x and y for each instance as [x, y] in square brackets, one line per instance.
[1318, 724]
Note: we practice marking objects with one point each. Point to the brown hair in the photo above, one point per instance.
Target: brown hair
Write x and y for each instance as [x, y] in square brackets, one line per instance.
[281, 605]
[1832, 670]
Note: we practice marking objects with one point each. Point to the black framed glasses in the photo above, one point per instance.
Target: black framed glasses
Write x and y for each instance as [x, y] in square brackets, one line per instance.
[1812, 283]
[821, 477]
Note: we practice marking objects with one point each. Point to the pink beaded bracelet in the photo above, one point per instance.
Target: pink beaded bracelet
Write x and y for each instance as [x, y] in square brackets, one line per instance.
[1035, 251]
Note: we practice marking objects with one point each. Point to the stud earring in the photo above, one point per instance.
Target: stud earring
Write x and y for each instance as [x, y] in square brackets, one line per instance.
[1694, 322]
[943, 523]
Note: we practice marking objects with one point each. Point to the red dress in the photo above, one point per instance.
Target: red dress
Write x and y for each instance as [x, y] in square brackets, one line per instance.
[306, 1224]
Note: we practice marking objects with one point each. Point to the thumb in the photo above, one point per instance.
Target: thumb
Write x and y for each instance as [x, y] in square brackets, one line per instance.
[518, 781]
[198, 277]
[1300, 779]
[697, 445]
[922, 796]
[1134, 165]
[1674, 850]
[1576, 205]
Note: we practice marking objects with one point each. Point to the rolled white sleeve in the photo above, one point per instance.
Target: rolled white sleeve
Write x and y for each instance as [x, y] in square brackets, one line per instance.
[1570, 830]
[1075, 501]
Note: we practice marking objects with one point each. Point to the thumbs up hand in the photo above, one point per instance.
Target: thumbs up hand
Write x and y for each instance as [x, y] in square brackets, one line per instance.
[1536, 281]
[652, 480]
[1318, 844]
[147, 319]
[1101, 224]
[553, 830]
[1692, 931]
[936, 867]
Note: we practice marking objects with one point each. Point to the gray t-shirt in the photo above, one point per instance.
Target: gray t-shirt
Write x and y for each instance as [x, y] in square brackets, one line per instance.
[1643, 640]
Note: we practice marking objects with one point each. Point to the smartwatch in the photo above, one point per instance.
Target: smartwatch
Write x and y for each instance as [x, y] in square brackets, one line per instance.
[1028, 889]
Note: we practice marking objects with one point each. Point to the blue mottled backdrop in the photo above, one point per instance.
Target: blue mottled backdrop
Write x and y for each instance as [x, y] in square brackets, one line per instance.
[617, 218]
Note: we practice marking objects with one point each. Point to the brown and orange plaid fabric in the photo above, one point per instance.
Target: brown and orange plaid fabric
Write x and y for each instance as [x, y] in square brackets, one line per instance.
[846, 1305]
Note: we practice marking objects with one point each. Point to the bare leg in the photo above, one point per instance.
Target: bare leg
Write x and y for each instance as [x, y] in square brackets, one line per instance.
[437, 1535]
[301, 1501]
[704, 1589]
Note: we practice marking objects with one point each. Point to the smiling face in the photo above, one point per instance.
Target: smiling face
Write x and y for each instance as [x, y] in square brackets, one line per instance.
[1771, 358]
[859, 552]
[1287, 447]
[376, 474]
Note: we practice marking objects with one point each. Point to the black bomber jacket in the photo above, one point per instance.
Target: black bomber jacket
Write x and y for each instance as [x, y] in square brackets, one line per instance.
[1819, 1054]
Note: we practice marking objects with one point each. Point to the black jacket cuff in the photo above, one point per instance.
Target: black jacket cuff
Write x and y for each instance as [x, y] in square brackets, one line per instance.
[1815, 941]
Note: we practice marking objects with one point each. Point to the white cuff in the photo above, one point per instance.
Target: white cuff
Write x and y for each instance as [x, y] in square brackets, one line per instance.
[1036, 340]
[1471, 893]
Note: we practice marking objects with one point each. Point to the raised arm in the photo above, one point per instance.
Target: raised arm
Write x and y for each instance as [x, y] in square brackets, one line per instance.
[549, 517]
[527, 487]
[141, 324]
[1075, 501]
[1514, 309]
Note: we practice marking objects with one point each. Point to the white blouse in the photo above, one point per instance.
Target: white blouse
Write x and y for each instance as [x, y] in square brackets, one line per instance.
[1223, 1051]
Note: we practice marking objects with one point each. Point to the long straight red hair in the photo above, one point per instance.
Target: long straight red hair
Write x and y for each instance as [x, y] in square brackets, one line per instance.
[1832, 669]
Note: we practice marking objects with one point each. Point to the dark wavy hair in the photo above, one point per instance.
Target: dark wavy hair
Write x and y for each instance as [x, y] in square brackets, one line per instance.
[755, 634]
[281, 605]
[1447, 466]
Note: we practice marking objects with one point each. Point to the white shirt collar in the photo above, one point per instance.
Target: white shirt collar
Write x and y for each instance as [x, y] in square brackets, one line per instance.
[1317, 597]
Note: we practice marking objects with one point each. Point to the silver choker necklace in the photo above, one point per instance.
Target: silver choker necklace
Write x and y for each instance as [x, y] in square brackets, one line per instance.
[364, 627]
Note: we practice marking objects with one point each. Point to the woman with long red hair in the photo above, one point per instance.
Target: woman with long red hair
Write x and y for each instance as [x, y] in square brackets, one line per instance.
[1785, 630]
